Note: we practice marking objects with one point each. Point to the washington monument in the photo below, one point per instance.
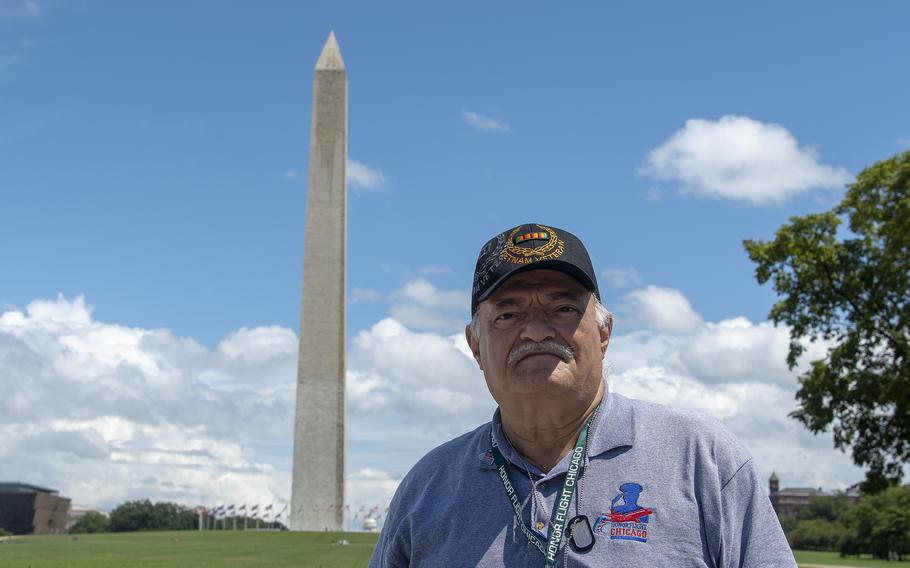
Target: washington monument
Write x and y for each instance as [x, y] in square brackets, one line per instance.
[317, 491]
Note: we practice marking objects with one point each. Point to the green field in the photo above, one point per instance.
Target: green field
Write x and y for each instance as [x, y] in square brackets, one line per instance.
[808, 558]
[242, 549]
[189, 548]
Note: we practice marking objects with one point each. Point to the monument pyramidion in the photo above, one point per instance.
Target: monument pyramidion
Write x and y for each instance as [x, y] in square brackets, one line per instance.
[317, 492]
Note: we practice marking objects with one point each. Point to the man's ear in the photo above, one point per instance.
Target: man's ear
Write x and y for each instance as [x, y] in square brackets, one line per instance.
[605, 333]
[473, 344]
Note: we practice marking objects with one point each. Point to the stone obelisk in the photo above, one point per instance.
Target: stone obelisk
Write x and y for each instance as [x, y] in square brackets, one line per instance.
[317, 492]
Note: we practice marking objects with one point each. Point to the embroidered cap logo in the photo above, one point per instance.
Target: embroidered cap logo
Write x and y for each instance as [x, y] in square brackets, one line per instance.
[553, 246]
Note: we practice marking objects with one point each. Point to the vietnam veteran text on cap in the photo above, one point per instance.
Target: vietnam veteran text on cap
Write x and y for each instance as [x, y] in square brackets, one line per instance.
[528, 247]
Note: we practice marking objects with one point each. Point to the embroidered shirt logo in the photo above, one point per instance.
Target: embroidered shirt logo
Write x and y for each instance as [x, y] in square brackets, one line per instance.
[628, 520]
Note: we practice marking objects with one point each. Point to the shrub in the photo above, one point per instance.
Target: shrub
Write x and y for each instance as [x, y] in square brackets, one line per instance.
[817, 534]
[145, 516]
[91, 522]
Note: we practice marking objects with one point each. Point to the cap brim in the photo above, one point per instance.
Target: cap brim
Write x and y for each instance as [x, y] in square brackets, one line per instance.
[559, 265]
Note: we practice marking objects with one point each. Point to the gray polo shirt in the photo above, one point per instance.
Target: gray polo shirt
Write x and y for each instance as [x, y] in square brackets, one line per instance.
[661, 487]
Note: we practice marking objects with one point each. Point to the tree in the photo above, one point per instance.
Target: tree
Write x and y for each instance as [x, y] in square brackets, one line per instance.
[173, 517]
[851, 288]
[880, 524]
[825, 507]
[817, 534]
[788, 523]
[91, 522]
[131, 516]
[145, 516]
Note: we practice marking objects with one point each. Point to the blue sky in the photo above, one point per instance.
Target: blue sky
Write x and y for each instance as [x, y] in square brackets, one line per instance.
[153, 158]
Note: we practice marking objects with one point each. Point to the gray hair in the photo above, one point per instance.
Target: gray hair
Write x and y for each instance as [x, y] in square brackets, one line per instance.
[601, 313]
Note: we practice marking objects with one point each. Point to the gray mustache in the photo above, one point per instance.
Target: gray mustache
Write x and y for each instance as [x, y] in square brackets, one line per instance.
[549, 347]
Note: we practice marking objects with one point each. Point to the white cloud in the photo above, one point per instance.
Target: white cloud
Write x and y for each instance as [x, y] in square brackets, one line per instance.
[729, 351]
[258, 346]
[423, 293]
[364, 295]
[620, 277]
[368, 488]
[360, 177]
[736, 350]
[757, 413]
[107, 413]
[483, 122]
[421, 304]
[736, 371]
[421, 375]
[408, 392]
[427, 270]
[363, 177]
[93, 409]
[425, 318]
[661, 309]
[737, 157]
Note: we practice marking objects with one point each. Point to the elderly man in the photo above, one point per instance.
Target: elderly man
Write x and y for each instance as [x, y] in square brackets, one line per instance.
[567, 473]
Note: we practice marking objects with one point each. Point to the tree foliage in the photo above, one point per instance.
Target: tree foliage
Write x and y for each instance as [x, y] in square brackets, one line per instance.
[880, 525]
[875, 524]
[817, 534]
[825, 507]
[850, 286]
[91, 522]
[145, 516]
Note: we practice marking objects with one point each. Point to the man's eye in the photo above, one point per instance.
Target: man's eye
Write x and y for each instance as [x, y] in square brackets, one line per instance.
[506, 316]
[568, 309]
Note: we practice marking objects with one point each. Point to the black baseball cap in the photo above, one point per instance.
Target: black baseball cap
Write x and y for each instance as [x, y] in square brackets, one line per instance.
[530, 247]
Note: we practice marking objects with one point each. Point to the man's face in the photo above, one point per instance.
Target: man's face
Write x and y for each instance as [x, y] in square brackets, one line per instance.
[539, 337]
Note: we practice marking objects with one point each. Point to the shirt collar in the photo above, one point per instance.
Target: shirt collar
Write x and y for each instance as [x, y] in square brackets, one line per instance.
[613, 427]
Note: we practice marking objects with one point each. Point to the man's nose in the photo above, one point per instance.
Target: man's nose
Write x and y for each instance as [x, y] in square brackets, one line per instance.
[538, 327]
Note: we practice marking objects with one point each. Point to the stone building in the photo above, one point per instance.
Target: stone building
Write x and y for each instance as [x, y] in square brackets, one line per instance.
[788, 501]
[29, 509]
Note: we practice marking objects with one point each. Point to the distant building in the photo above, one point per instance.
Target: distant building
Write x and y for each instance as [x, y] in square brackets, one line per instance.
[789, 500]
[370, 525]
[29, 509]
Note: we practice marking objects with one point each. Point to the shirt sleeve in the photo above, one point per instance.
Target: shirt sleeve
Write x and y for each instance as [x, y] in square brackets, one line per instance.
[751, 535]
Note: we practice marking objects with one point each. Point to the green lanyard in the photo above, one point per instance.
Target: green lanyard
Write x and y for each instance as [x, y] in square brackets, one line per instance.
[561, 511]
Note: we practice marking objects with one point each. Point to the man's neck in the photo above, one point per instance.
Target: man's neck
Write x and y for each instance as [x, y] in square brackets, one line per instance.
[544, 436]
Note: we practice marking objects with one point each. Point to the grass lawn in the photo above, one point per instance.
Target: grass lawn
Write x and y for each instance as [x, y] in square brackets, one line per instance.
[808, 558]
[189, 548]
[241, 549]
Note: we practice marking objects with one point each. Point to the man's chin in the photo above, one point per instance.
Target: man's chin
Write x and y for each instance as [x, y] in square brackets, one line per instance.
[541, 374]
[537, 362]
